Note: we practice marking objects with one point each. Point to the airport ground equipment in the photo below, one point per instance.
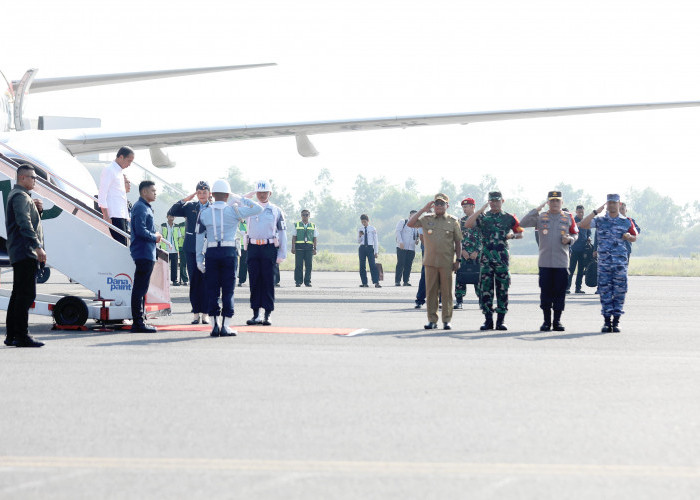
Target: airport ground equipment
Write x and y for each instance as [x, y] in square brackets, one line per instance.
[79, 245]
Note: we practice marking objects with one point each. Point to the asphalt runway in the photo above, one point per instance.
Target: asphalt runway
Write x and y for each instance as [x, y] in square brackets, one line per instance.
[390, 411]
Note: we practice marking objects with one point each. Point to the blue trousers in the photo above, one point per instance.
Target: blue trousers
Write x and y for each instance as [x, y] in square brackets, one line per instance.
[261, 270]
[366, 252]
[220, 279]
[612, 285]
[420, 296]
[198, 292]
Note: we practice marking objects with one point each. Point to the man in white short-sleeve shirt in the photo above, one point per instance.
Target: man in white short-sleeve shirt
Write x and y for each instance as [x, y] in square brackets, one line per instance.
[112, 194]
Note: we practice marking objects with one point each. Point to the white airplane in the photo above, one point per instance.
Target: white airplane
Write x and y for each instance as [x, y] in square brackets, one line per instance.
[55, 150]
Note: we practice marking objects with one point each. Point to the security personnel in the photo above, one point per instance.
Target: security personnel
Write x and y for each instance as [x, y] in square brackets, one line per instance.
[612, 231]
[174, 235]
[304, 248]
[558, 231]
[216, 232]
[495, 227]
[471, 247]
[183, 256]
[267, 245]
[189, 209]
[443, 243]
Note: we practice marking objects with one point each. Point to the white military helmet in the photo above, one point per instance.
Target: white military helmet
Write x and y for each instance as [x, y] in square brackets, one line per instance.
[263, 186]
[221, 186]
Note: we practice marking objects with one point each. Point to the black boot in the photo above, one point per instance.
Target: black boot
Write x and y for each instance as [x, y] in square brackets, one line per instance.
[615, 323]
[556, 325]
[266, 321]
[488, 324]
[255, 320]
[607, 327]
[500, 325]
[547, 325]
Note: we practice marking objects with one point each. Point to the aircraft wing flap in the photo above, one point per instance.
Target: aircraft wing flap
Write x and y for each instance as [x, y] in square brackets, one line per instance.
[88, 141]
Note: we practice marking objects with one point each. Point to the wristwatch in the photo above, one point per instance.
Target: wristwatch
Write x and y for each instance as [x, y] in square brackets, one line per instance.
[595, 212]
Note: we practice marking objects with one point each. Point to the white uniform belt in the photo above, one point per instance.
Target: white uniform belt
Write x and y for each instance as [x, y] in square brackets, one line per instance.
[261, 242]
[214, 244]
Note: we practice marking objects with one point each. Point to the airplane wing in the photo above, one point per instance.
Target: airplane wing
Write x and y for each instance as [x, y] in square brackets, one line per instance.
[73, 82]
[87, 141]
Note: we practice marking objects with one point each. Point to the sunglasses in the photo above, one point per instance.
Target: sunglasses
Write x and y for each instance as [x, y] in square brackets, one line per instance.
[440, 202]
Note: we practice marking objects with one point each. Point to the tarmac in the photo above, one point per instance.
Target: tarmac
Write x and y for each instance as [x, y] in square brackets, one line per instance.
[347, 396]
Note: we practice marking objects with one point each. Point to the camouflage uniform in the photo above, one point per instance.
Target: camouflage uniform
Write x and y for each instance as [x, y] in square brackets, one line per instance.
[612, 261]
[471, 242]
[494, 259]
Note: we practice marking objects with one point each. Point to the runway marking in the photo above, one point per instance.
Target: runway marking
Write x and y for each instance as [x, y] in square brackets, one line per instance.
[353, 467]
[263, 329]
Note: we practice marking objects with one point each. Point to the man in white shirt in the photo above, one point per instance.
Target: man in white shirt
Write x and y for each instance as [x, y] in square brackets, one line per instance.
[406, 239]
[112, 195]
[368, 250]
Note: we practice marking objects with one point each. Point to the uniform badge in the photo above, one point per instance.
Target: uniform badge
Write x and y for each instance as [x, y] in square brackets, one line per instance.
[430, 231]
[545, 231]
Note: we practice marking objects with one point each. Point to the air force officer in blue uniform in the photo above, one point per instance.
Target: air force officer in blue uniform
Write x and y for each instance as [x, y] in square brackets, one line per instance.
[267, 246]
[216, 234]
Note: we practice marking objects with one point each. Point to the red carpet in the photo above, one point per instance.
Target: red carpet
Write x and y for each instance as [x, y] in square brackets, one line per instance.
[259, 329]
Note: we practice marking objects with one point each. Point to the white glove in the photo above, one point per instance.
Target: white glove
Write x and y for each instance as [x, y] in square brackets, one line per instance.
[279, 261]
[201, 267]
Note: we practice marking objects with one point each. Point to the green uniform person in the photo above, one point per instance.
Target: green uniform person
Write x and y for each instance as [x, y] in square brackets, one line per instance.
[496, 228]
[471, 247]
[172, 242]
[304, 248]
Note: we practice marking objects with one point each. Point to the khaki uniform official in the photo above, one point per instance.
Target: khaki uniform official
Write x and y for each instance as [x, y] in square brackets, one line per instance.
[442, 238]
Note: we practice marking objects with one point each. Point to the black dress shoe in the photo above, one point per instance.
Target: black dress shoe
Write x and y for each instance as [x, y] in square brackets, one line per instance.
[298, 285]
[397, 284]
[377, 285]
[27, 342]
[558, 327]
[417, 306]
[430, 326]
[407, 284]
[143, 329]
[364, 286]
[446, 326]
[458, 305]
[216, 331]
[10, 342]
[580, 291]
[195, 322]
[307, 284]
[546, 327]
[277, 285]
[205, 321]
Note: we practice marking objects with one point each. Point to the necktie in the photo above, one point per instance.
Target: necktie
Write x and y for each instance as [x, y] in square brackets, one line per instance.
[366, 241]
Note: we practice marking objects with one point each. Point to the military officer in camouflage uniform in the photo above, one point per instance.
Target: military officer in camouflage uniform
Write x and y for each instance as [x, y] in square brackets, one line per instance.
[558, 231]
[612, 231]
[495, 227]
[471, 246]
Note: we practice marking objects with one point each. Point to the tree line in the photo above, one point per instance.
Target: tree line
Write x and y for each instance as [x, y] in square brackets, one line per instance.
[667, 228]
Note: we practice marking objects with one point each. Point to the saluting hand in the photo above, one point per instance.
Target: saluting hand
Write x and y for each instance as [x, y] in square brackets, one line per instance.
[190, 197]
[428, 206]
[601, 208]
[541, 206]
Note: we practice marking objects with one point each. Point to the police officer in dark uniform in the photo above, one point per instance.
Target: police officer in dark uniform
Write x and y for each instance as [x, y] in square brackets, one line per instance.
[190, 208]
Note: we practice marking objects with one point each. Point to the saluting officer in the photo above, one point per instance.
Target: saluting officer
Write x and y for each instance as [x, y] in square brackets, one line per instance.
[267, 245]
[304, 248]
[558, 231]
[218, 223]
[190, 209]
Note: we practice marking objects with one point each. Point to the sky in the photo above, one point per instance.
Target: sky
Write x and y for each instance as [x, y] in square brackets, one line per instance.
[361, 59]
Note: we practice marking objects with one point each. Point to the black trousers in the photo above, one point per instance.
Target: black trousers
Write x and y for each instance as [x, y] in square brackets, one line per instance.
[303, 257]
[142, 278]
[198, 292]
[577, 259]
[172, 257]
[367, 252]
[261, 269]
[553, 282]
[183, 267]
[404, 261]
[21, 299]
[243, 267]
[121, 224]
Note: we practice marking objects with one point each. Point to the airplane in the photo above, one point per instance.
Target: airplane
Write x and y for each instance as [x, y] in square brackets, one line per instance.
[53, 152]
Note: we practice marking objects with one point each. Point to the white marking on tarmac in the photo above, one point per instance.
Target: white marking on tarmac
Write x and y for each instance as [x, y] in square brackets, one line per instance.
[372, 468]
[357, 332]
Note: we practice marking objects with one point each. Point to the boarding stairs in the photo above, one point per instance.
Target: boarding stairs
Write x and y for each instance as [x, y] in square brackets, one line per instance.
[78, 244]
